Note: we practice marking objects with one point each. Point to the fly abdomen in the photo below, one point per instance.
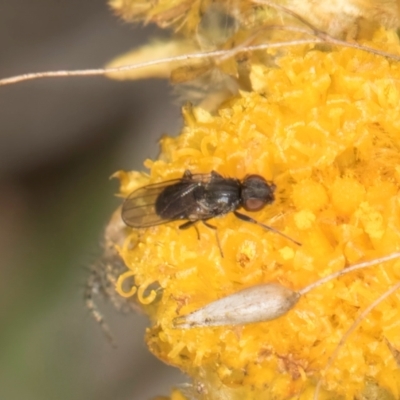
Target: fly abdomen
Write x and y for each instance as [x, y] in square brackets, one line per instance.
[177, 201]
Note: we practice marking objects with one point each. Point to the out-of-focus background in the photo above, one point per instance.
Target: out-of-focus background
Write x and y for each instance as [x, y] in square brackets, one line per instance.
[60, 140]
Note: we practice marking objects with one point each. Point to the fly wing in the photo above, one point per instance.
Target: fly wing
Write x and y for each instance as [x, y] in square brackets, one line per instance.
[139, 208]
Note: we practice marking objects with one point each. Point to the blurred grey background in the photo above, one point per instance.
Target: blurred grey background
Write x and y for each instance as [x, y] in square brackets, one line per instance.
[60, 140]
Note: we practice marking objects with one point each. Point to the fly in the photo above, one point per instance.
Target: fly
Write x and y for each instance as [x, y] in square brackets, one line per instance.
[198, 197]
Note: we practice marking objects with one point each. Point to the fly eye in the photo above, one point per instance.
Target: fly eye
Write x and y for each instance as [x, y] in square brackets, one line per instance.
[253, 204]
[256, 193]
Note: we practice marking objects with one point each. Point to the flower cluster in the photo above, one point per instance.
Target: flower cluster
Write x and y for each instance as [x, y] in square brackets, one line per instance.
[320, 121]
[325, 128]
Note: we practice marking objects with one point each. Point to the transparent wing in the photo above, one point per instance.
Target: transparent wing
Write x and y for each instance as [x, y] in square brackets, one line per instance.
[139, 208]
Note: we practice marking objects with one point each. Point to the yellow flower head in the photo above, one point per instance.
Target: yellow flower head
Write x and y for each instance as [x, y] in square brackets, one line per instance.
[324, 126]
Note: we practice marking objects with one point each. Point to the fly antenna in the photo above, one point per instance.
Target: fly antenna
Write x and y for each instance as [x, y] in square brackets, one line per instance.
[246, 218]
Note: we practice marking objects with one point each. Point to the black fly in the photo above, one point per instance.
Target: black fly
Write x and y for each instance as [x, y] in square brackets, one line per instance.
[198, 197]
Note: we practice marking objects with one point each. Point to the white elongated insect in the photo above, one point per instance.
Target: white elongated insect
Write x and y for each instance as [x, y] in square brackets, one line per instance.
[255, 304]
[260, 303]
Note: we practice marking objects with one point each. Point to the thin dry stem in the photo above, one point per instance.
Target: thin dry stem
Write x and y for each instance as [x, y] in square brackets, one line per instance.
[325, 37]
[186, 57]
[352, 328]
[345, 271]
[130, 67]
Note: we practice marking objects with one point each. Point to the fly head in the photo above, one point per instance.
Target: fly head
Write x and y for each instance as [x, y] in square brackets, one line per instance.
[256, 193]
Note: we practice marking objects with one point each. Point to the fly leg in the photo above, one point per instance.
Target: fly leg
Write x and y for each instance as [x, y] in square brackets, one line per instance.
[189, 224]
[246, 218]
[216, 236]
[187, 175]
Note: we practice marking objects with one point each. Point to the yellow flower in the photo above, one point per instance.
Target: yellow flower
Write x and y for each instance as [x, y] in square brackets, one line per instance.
[324, 126]
[337, 17]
